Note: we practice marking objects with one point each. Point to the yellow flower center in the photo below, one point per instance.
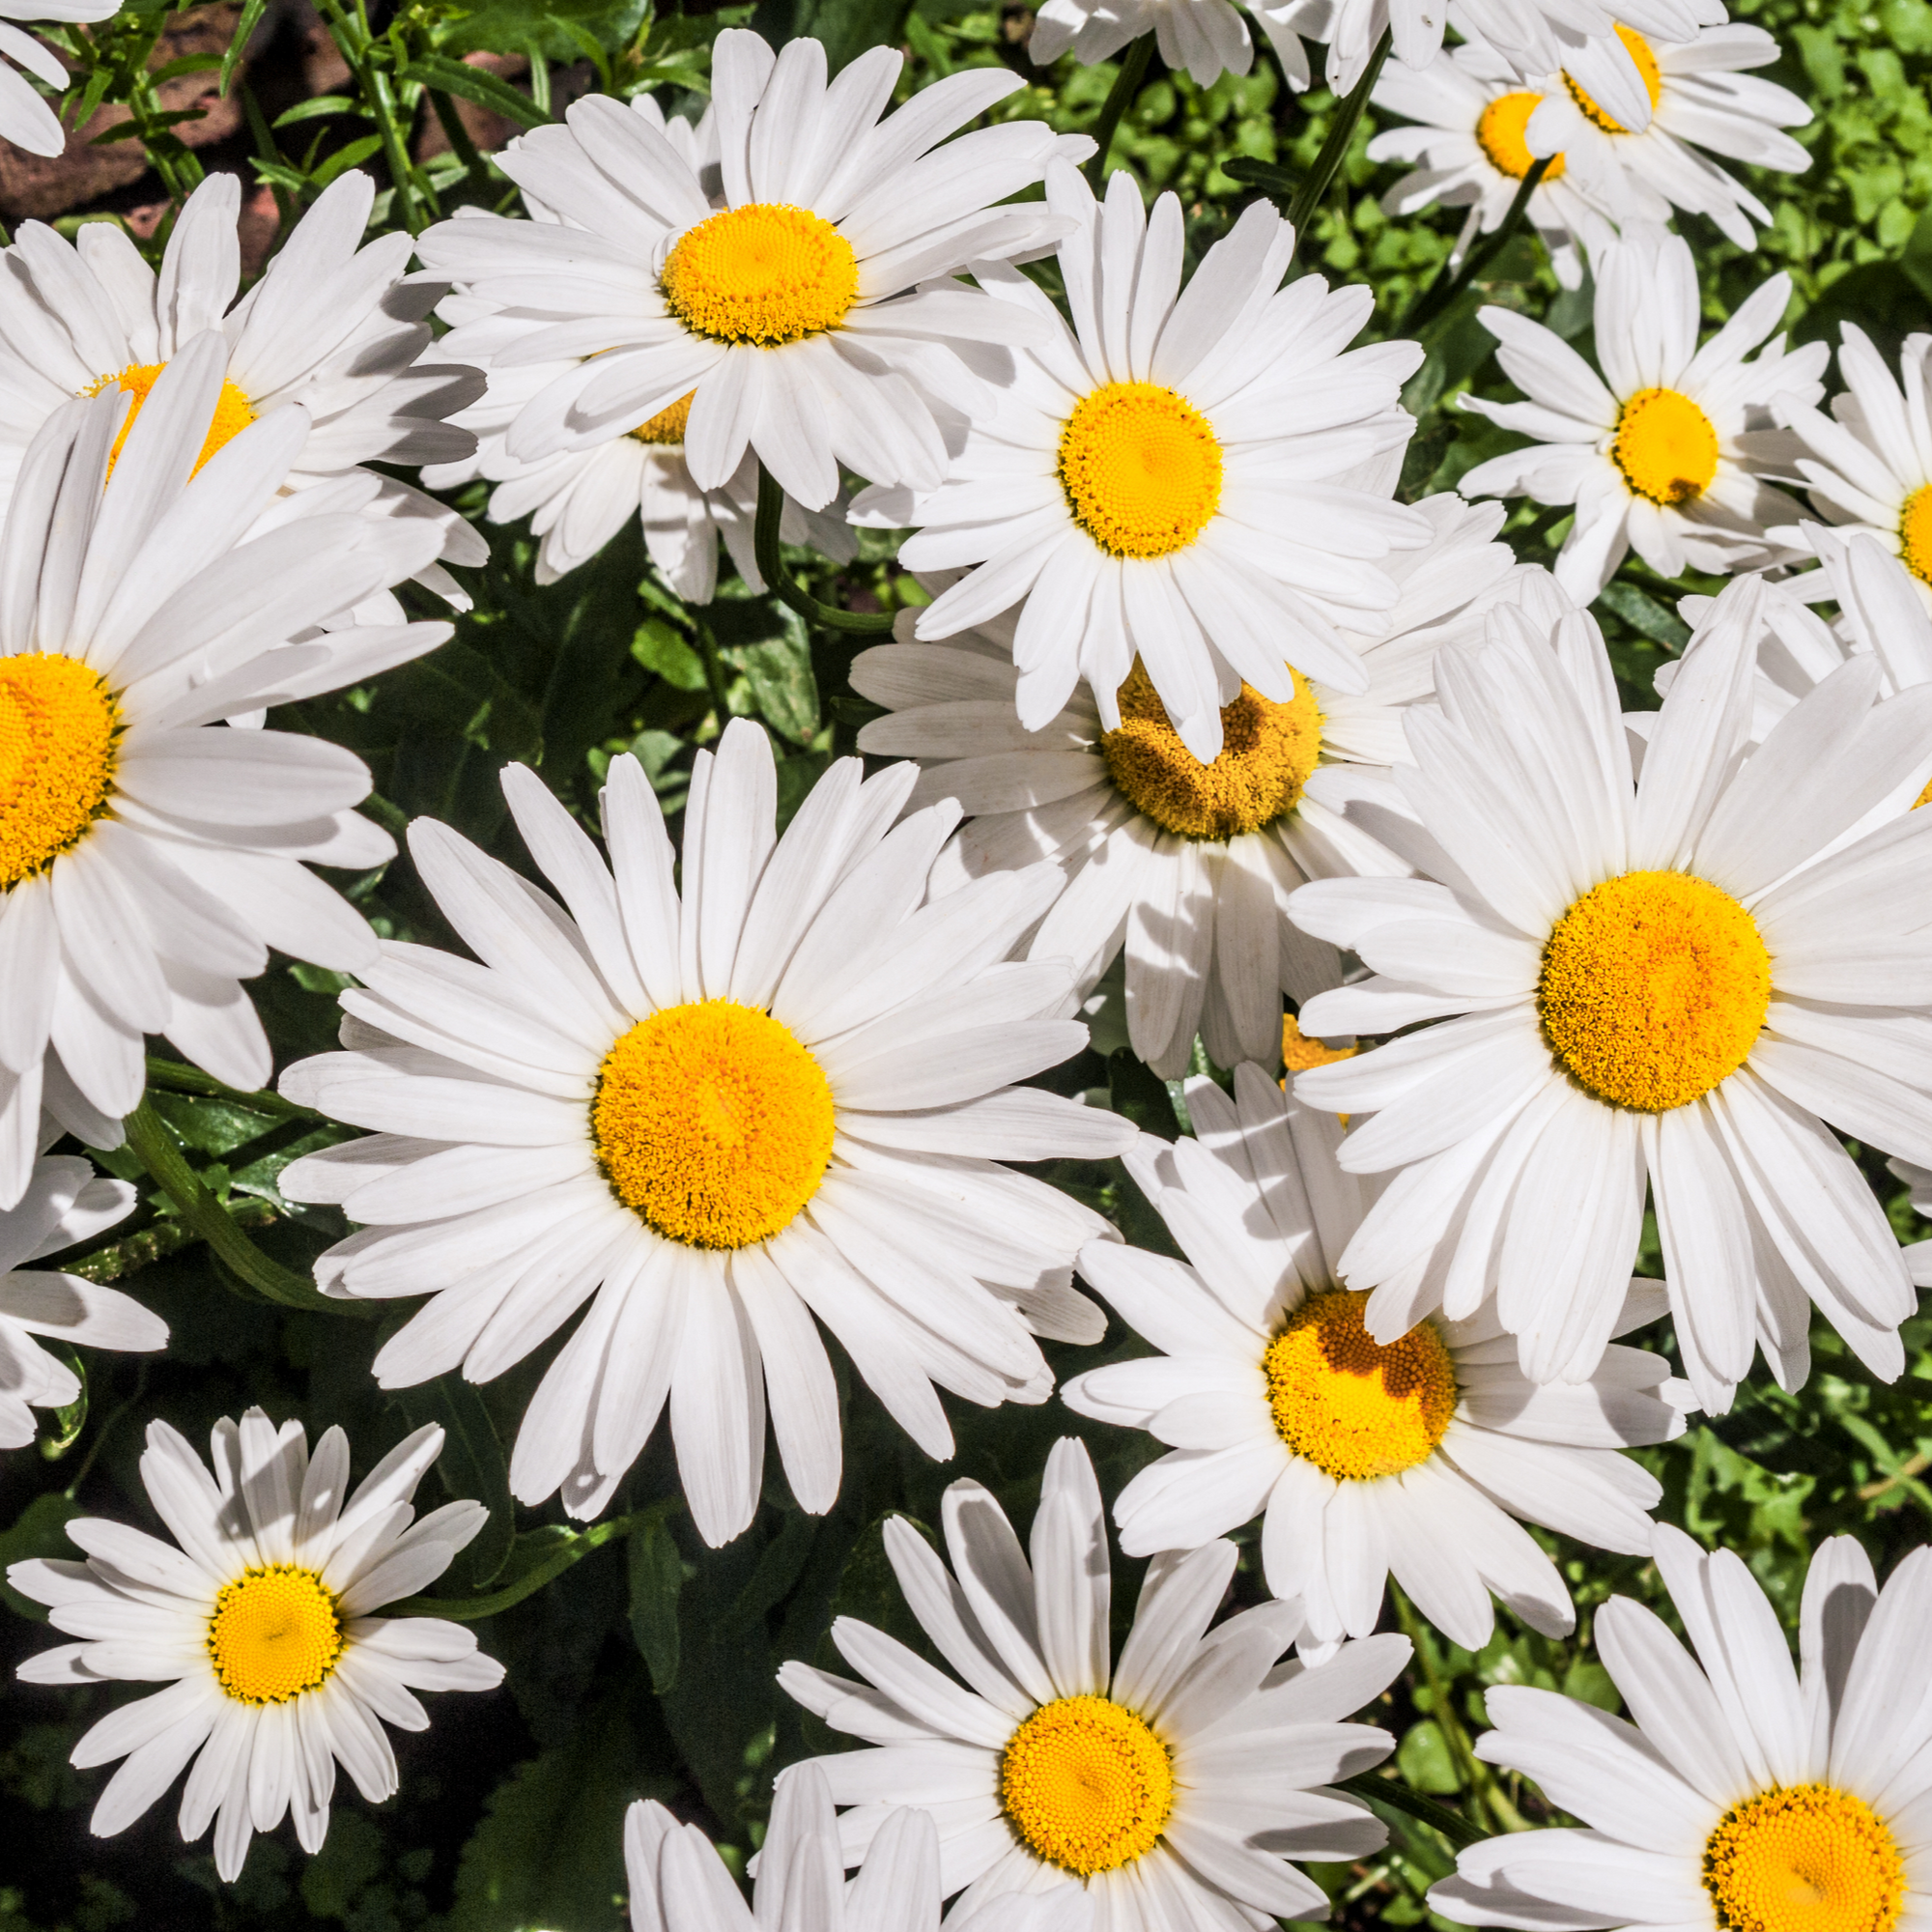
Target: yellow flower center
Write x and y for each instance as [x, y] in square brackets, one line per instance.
[1267, 750]
[1654, 986]
[1087, 1784]
[1141, 467]
[712, 1124]
[1354, 1408]
[233, 411]
[1502, 135]
[57, 729]
[1915, 533]
[275, 1632]
[1667, 446]
[1646, 65]
[1805, 1857]
[1299, 1051]
[766, 273]
[667, 426]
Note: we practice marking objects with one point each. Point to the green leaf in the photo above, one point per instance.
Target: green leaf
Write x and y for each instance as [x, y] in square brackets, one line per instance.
[39, 1530]
[472, 1464]
[658, 1573]
[514, 26]
[1424, 1759]
[659, 648]
[1645, 615]
[61, 1428]
[473, 83]
[1263, 175]
[1141, 1095]
[238, 46]
[783, 685]
[316, 107]
[345, 159]
[457, 692]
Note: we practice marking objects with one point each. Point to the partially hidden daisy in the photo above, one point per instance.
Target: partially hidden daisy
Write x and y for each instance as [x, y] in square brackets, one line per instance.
[781, 1091]
[149, 855]
[679, 1883]
[258, 1619]
[1363, 1458]
[577, 500]
[1203, 38]
[1470, 112]
[332, 325]
[1165, 1788]
[1185, 865]
[1870, 462]
[812, 318]
[66, 1202]
[1700, 97]
[1671, 986]
[1658, 453]
[1172, 478]
[1741, 1795]
[25, 119]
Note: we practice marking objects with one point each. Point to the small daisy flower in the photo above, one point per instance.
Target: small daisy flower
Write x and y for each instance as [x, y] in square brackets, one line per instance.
[1203, 38]
[1739, 1793]
[257, 1618]
[1363, 1458]
[1170, 479]
[782, 1093]
[578, 500]
[65, 1202]
[1470, 112]
[1674, 984]
[1157, 1791]
[1869, 463]
[1699, 98]
[679, 1883]
[149, 855]
[1188, 865]
[811, 317]
[25, 119]
[330, 325]
[1656, 452]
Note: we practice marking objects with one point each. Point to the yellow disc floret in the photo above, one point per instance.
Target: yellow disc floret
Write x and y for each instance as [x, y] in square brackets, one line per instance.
[1804, 1858]
[233, 411]
[1915, 533]
[766, 273]
[1666, 446]
[274, 1633]
[1268, 751]
[1502, 134]
[1141, 466]
[1646, 65]
[57, 730]
[1653, 989]
[667, 426]
[712, 1124]
[1299, 1051]
[1342, 1401]
[1086, 1784]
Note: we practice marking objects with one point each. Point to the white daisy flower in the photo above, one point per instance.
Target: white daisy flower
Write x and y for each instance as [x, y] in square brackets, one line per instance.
[1205, 37]
[149, 855]
[577, 500]
[65, 1202]
[330, 326]
[1188, 865]
[1171, 479]
[1869, 463]
[25, 119]
[260, 1625]
[679, 1883]
[1699, 97]
[812, 319]
[1656, 452]
[1470, 112]
[1162, 1790]
[780, 1093]
[1363, 1458]
[1745, 1794]
[1534, 37]
[1674, 983]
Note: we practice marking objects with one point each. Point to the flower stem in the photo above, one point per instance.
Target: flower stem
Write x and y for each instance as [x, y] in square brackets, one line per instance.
[1440, 293]
[472, 1609]
[154, 1147]
[779, 580]
[177, 1078]
[1328, 162]
[1120, 98]
[1392, 1792]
